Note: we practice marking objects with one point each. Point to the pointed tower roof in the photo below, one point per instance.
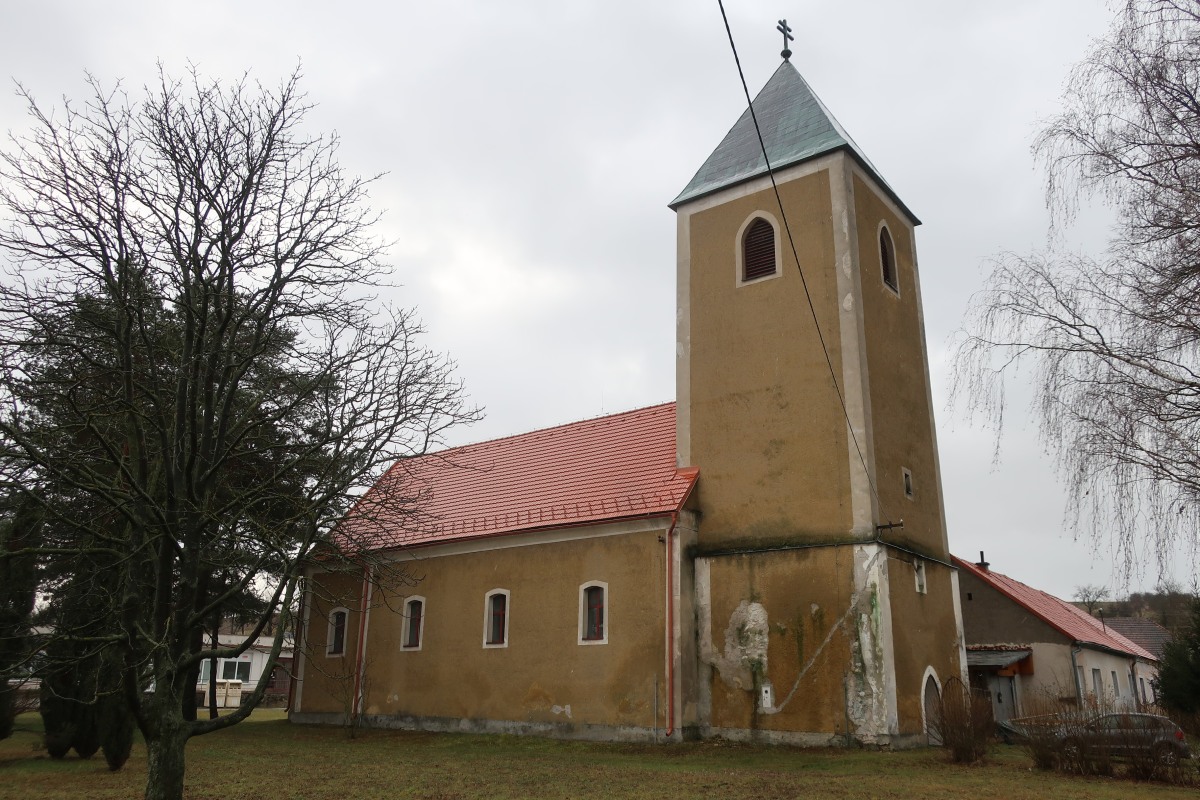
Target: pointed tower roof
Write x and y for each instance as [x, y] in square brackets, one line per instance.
[796, 127]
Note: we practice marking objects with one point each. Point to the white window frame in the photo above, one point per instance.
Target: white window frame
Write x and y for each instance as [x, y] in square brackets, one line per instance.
[583, 587]
[333, 612]
[739, 257]
[920, 578]
[487, 618]
[407, 623]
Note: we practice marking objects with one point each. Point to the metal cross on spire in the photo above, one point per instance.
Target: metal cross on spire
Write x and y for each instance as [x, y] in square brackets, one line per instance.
[783, 28]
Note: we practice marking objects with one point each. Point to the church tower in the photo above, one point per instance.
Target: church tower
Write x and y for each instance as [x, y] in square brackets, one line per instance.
[824, 595]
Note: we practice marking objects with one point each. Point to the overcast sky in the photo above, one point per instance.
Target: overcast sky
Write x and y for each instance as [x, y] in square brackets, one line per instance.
[530, 149]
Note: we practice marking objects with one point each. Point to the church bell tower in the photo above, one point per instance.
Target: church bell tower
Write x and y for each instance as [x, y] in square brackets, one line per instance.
[825, 597]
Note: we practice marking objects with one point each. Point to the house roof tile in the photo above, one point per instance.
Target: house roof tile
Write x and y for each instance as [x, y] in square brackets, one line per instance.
[607, 469]
[1145, 632]
[1058, 614]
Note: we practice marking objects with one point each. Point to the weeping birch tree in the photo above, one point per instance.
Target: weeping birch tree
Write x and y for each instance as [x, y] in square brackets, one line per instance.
[195, 381]
[1111, 343]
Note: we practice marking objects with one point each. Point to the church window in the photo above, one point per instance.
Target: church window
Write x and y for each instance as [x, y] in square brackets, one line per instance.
[414, 617]
[887, 259]
[919, 569]
[593, 613]
[495, 619]
[908, 482]
[758, 250]
[336, 637]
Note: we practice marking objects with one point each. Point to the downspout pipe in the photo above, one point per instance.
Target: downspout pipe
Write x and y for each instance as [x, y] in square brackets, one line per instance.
[671, 549]
[297, 648]
[360, 658]
[670, 626]
[1075, 650]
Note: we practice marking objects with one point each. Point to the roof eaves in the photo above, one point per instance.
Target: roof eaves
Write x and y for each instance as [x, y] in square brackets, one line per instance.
[845, 147]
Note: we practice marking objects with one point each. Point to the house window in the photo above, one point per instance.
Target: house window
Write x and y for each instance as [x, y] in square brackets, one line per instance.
[414, 617]
[336, 637]
[235, 671]
[1097, 684]
[495, 618]
[205, 665]
[887, 259]
[593, 614]
[908, 482]
[1116, 688]
[919, 569]
[758, 250]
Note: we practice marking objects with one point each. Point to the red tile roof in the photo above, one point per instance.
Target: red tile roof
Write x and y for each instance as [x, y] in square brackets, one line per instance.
[1058, 614]
[608, 469]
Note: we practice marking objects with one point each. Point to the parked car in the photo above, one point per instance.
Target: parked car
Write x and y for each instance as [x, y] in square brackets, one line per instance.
[1126, 736]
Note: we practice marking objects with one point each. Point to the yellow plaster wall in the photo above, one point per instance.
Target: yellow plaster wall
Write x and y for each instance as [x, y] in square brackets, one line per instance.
[766, 428]
[902, 426]
[924, 633]
[544, 671]
[328, 683]
[806, 594]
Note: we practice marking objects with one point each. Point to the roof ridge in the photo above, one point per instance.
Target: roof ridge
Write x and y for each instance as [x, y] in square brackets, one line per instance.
[550, 428]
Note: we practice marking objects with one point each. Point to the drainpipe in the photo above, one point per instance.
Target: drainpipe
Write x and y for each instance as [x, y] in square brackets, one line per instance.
[297, 650]
[670, 626]
[1076, 649]
[356, 706]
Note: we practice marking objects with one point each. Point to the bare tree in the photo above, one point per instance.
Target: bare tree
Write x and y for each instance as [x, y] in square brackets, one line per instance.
[1111, 343]
[1091, 595]
[195, 382]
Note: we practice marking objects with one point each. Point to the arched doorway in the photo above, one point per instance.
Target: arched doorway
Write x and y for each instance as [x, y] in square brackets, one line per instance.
[932, 699]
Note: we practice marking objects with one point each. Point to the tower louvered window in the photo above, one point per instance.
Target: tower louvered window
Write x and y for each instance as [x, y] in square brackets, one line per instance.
[758, 250]
[887, 259]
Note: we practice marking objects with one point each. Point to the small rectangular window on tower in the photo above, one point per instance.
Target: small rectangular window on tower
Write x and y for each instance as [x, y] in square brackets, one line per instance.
[908, 482]
[919, 569]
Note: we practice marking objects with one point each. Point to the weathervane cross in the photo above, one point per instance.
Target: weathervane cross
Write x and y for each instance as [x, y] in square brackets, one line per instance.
[783, 28]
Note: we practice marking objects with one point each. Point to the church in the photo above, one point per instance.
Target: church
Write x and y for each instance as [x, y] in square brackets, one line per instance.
[764, 559]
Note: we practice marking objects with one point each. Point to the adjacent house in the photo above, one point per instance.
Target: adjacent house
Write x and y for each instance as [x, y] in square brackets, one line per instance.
[236, 677]
[1028, 648]
[764, 558]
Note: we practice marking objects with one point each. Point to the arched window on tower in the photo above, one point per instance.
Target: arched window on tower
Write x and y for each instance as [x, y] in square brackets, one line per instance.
[758, 250]
[887, 259]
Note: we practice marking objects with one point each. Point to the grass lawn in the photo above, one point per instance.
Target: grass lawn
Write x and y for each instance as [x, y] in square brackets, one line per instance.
[267, 758]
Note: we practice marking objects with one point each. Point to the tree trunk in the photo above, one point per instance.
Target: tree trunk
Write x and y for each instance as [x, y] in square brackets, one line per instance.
[164, 774]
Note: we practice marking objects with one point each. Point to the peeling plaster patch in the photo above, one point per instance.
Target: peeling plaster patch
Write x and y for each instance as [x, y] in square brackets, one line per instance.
[561, 710]
[867, 698]
[848, 303]
[846, 264]
[746, 638]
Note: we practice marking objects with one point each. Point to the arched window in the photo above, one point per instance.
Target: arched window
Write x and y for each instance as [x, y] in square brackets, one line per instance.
[593, 613]
[758, 250]
[495, 618]
[335, 640]
[887, 259]
[414, 618]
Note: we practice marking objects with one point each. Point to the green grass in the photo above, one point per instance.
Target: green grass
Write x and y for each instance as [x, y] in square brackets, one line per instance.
[267, 758]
